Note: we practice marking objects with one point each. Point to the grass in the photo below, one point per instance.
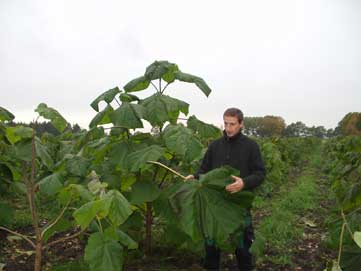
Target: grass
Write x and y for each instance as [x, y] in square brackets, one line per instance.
[282, 227]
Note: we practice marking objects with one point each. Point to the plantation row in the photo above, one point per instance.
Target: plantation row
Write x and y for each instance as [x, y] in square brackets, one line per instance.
[119, 186]
[343, 166]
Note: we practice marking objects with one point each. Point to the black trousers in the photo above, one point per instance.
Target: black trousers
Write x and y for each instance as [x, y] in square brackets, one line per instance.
[245, 259]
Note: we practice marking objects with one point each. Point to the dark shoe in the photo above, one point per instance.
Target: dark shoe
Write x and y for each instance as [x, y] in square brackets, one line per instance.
[245, 259]
[212, 259]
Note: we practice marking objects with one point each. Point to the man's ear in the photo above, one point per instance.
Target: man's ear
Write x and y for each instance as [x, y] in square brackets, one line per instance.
[242, 124]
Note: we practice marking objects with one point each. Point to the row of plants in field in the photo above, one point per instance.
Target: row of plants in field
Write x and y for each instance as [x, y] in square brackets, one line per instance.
[112, 182]
[343, 165]
[281, 157]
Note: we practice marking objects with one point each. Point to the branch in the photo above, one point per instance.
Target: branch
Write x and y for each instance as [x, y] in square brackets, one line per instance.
[26, 238]
[117, 101]
[108, 128]
[31, 191]
[340, 244]
[346, 224]
[46, 228]
[154, 86]
[64, 239]
[165, 87]
[163, 179]
[167, 168]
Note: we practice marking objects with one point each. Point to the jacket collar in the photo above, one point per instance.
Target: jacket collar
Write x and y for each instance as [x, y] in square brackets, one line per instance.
[237, 136]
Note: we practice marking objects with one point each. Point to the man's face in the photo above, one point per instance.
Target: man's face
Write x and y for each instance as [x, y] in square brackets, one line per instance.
[232, 125]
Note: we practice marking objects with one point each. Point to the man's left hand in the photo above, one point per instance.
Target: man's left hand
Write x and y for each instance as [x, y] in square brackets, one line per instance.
[236, 186]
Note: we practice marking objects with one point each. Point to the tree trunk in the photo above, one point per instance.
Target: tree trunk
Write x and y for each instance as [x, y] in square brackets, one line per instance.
[38, 256]
[148, 229]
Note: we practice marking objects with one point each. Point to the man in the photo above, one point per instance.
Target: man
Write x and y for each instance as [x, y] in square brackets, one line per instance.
[240, 152]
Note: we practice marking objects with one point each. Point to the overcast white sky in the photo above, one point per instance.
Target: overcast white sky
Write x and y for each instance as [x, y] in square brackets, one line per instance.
[297, 59]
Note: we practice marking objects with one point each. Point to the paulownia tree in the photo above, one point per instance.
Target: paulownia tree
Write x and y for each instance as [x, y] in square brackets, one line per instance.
[127, 153]
[60, 174]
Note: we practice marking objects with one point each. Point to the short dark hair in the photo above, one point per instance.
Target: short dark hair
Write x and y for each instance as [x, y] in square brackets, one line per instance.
[234, 112]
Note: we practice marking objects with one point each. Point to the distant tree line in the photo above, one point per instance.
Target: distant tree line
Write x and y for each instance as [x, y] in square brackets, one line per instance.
[269, 126]
[46, 127]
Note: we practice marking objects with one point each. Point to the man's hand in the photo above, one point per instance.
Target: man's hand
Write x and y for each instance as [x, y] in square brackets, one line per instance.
[236, 186]
[189, 177]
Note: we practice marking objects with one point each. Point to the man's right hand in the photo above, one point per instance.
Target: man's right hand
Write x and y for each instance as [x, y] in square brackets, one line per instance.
[189, 177]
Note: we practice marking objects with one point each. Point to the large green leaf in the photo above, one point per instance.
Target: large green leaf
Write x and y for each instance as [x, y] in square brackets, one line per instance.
[51, 184]
[158, 69]
[204, 130]
[128, 115]
[102, 117]
[357, 238]
[120, 208]
[169, 76]
[77, 165]
[54, 116]
[107, 96]
[119, 152]
[74, 191]
[204, 211]
[87, 212]
[117, 235]
[200, 83]
[43, 153]
[15, 134]
[181, 141]
[143, 191]
[9, 171]
[62, 225]
[113, 205]
[162, 205]
[138, 159]
[137, 84]
[352, 198]
[126, 97]
[23, 150]
[103, 253]
[161, 108]
[5, 115]
[351, 259]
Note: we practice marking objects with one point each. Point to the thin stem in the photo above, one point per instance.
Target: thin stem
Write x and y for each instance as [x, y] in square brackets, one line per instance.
[31, 186]
[26, 238]
[154, 86]
[340, 244]
[163, 179]
[160, 85]
[64, 239]
[347, 225]
[165, 87]
[33, 155]
[148, 228]
[108, 128]
[155, 173]
[165, 174]
[117, 101]
[31, 191]
[167, 168]
[47, 227]
[100, 224]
